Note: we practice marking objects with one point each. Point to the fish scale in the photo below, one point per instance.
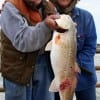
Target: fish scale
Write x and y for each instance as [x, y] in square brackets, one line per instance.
[63, 59]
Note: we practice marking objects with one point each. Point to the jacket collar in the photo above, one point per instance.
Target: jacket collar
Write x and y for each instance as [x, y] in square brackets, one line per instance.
[75, 13]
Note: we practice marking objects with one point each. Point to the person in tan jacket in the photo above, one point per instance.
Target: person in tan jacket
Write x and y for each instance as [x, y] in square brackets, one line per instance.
[26, 27]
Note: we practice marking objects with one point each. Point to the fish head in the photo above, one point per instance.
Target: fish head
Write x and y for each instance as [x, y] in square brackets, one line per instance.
[67, 28]
[64, 22]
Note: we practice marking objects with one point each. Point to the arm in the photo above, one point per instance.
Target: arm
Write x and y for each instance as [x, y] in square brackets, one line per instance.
[24, 38]
[86, 55]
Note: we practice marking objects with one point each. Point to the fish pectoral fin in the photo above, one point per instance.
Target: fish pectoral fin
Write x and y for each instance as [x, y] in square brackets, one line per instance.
[53, 87]
[77, 69]
[48, 46]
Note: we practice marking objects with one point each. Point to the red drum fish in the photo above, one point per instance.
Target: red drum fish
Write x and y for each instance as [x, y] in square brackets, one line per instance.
[63, 58]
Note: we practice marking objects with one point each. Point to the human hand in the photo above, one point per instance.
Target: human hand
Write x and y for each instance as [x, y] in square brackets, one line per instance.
[50, 21]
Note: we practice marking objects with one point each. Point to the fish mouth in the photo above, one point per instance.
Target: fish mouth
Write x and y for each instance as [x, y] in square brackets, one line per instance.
[62, 30]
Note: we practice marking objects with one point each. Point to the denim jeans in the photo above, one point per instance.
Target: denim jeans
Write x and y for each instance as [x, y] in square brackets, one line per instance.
[42, 78]
[87, 94]
[39, 85]
[16, 92]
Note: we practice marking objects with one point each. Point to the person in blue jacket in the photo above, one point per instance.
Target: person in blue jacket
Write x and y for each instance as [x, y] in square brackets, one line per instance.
[86, 47]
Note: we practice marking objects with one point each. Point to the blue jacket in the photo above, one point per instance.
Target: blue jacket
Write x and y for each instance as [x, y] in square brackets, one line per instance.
[86, 48]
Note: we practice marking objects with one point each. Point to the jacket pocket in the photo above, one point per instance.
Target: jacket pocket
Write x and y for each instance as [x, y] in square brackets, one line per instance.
[80, 41]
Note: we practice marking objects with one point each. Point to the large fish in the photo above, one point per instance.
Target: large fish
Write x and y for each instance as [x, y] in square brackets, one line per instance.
[63, 58]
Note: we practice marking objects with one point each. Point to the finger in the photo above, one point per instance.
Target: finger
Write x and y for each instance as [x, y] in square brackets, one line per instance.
[54, 16]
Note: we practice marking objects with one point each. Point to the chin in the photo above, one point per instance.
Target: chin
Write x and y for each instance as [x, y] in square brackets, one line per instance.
[36, 2]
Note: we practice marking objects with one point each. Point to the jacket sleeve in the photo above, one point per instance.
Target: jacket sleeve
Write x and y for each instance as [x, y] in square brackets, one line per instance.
[24, 38]
[86, 55]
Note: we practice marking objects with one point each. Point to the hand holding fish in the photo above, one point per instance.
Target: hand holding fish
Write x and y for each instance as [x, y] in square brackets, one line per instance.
[50, 21]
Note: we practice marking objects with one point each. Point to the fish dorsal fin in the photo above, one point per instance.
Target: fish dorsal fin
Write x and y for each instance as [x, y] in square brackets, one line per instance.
[48, 46]
[53, 86]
